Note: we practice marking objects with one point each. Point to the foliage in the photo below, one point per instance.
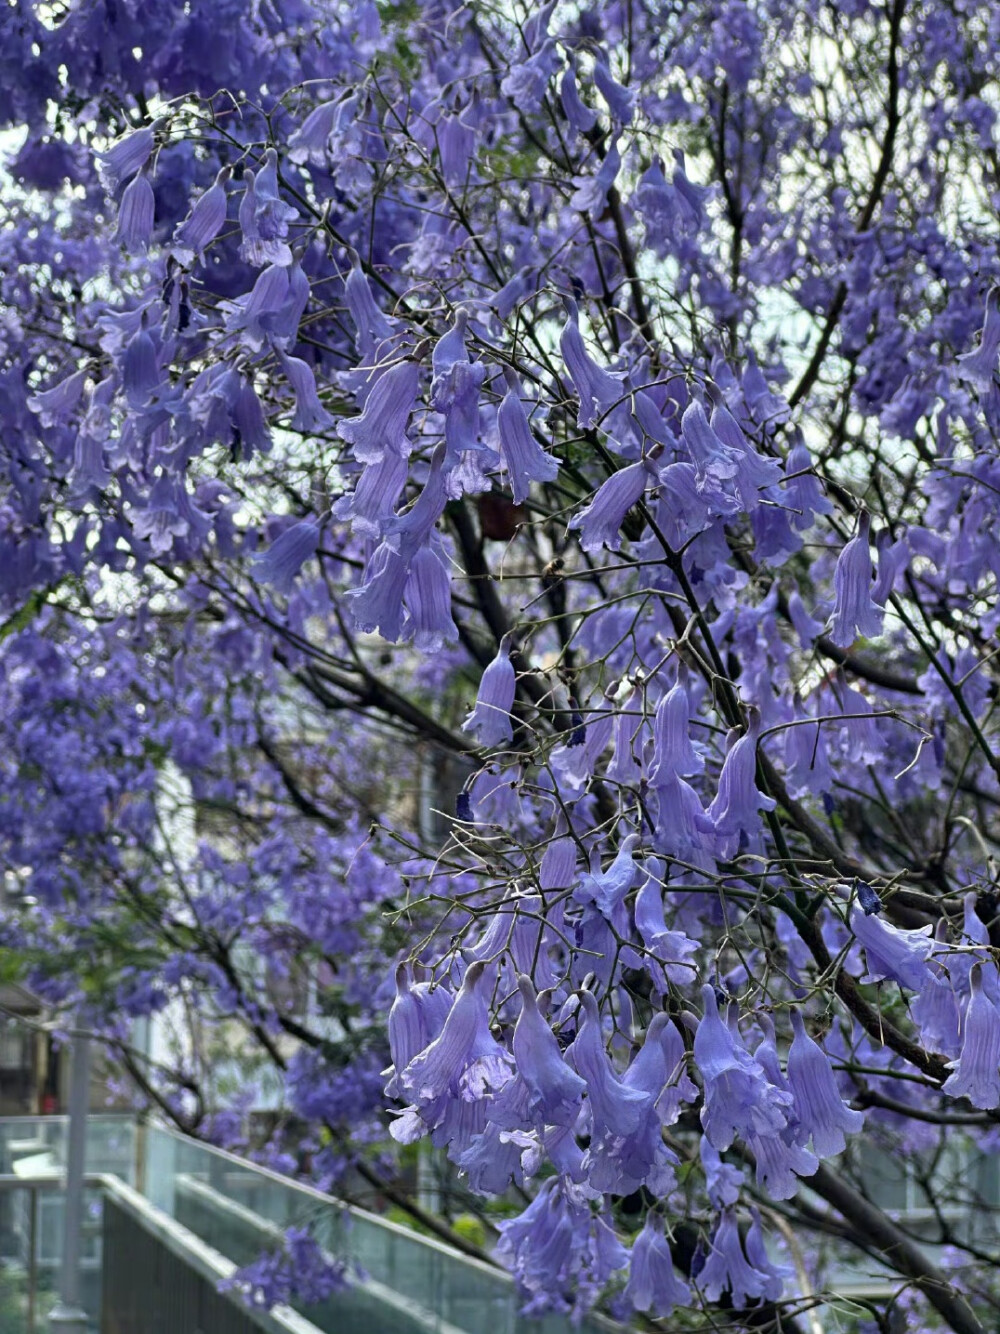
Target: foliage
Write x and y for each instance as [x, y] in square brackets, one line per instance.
[498, 520]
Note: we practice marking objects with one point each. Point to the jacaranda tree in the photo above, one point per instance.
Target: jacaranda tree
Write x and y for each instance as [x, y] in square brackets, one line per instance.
[501, 519]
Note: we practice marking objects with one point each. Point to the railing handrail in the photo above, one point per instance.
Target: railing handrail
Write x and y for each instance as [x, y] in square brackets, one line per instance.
[322, 1197]
[200, 1256]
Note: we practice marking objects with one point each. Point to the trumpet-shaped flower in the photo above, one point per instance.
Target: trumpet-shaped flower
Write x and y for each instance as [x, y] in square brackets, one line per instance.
[135, 215]
[855, 612]
[523, 457]
[614, 1107]
[653, 1286]
[727, 1269]
[820, 1112]
[976, 1073]
[979, 366]
[892, 952]
[490, 720]
[600, 523]
[280, 564]
[734, 810]
[203, 224]
[739, 1099]
[381, 427]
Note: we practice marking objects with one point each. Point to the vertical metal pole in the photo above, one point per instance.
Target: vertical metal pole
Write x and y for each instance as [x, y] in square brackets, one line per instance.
[68, 1317]
[32, 1256]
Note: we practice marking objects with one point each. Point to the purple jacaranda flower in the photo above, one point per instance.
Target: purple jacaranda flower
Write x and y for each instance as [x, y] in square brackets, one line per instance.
[959, 962]
[263, 224]
[783, 1157]
[312, 136]
[765, 407]
[620, 101]
[56, 404]
[427, 598]
[807, 764]
[558, 868]
[680, 1087]
[140, 371]
[691, 198]
[893, 557]
[523, 284]
[579, 115]
[545, 1091]
[936, 1010]
[416, 1018]
[537, 1246]
[596, 388]
[804, 496]
[780, 1160]
[127, 156]
[623, 767]
[766, 1052]
[607, 889]
[891, 952]
[859, 732]
[754, 472]
[614, 1107]
[617, 1164]
[282, 325]
[806, 627]
[381, 427]
[726, 1268]
[682, 825]
[135, 215]
[490, 720]
[979, 366]
[247, 315]
[456, 144]
[523, 457]
[525, 83]
[976, 1073]
[672, 951]
[464, 1059]
[713, 462]
[756, 1253]
[280, 564]
[854, 611]
[159, 521]
[455, 388]
[600, 523]
[371, 324]
[494, 1159]
[272, 213]
[734, 809]
[373, 501]
[820, 1111]
[739, 1099]
[574, 763]
[723, 1181]
[378, 603]
[673, 754]
[686, 507]
[250, 430]
[310, 414]
[652, 1286]
[410, 531]
[203, 224]
[657, 204]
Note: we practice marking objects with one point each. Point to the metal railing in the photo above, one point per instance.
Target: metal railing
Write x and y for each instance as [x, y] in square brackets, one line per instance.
[171, 1201]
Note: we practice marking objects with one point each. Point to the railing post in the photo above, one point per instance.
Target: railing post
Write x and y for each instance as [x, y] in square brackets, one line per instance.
[68, 1317]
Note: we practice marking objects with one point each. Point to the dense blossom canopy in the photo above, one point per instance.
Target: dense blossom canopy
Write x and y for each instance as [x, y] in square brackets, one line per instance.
[499, 578]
